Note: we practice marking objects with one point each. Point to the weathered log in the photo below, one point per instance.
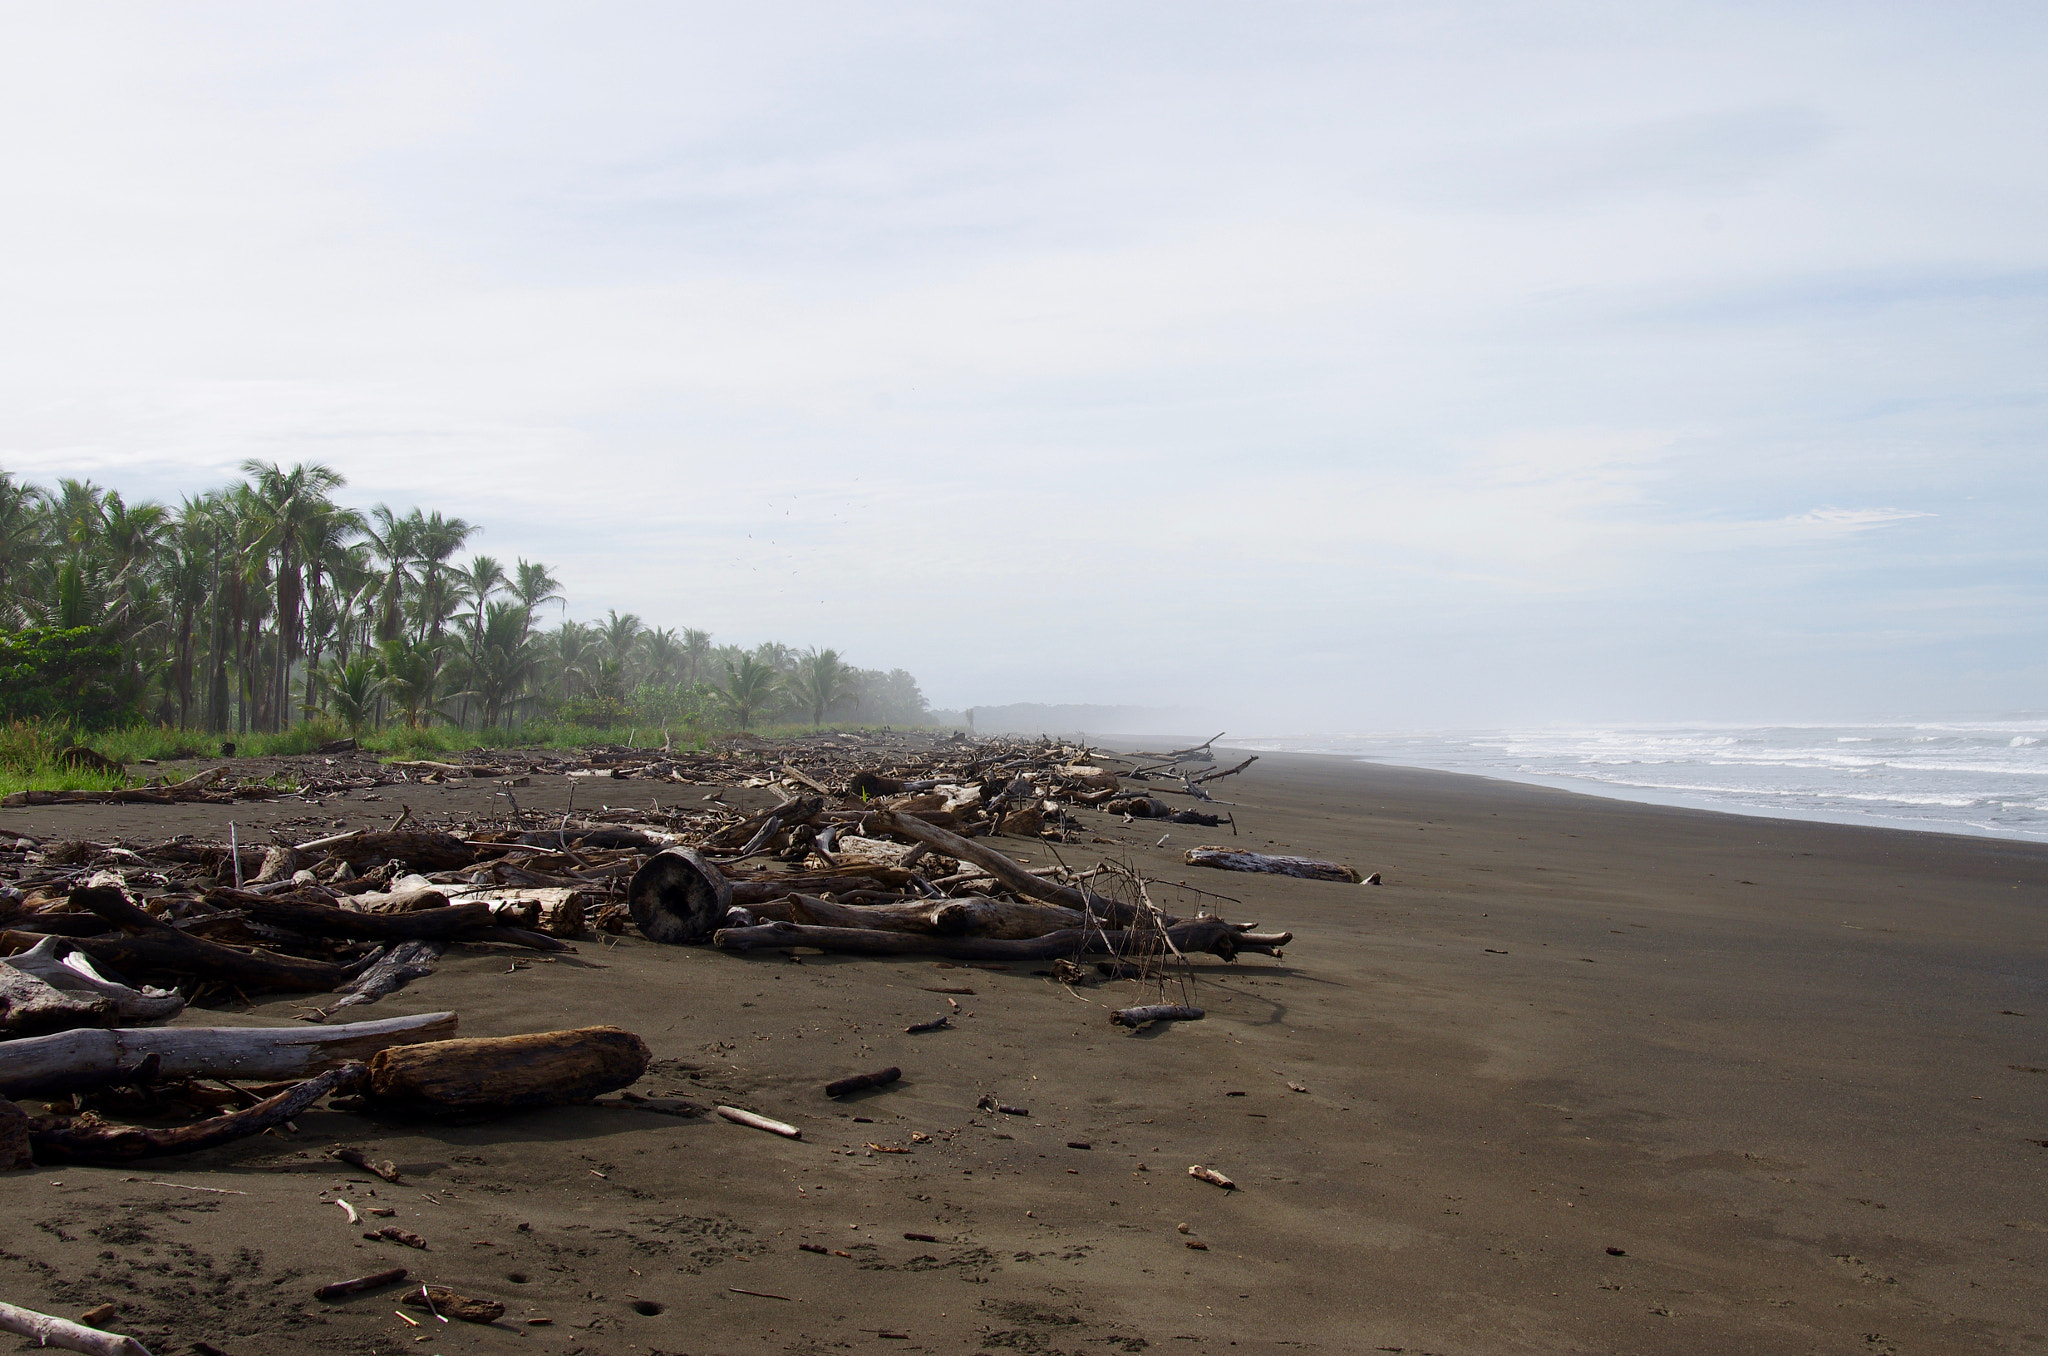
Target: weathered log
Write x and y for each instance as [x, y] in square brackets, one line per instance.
[677, 896]
[31, 1007]
[1202, 934]
[318, 918]
[392, 971]
[420, 849]
[1307, 868]
[62, 1332]
[1211, 1176]
[67, 1140]
[748, 890]
[161, 947]
[1156, 1012]
[1007, 871]
[59, 965]
[881, 1078]
[560, 912]
[969, 916]
[343, 1289]
[548, 1068]
[71, 1060]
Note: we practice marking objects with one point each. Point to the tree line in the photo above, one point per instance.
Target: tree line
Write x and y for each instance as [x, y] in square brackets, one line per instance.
[266, 603]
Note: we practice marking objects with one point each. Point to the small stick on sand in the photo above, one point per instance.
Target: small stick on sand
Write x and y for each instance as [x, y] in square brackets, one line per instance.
[1157, 1012]
[936, 1025]
[1212, 1176]
[754, 1122]
[861, 1082]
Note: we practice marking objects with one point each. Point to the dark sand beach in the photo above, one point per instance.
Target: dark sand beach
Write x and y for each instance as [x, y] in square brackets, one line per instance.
[1580, 1076]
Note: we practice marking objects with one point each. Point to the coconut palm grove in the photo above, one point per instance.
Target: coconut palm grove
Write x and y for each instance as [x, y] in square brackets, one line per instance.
[266, 606]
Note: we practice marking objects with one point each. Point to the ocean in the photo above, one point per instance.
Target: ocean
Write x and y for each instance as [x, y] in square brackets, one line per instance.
[1978, 777]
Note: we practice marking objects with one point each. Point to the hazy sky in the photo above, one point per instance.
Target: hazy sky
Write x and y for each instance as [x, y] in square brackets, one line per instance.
[1323, 366]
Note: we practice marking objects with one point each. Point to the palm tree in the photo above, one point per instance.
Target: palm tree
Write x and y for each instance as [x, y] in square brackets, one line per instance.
[534, 587]
[821, 680]
[663, 653]
[411, 672]
[696, 645]
[25, 527]
[352, 691]
[504, 658]
[572, 654]
[294, 521]
[749, 686]
[438, 539]
[621, 631]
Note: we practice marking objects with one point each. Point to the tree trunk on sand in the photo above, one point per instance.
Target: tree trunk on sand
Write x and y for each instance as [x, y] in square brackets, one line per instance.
[263, 1054]
[500, 1073]
[1202, 934]
[62, 1332]
[1307, 868]
[972, 916]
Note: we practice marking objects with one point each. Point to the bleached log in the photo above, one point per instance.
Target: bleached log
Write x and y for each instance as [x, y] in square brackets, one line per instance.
[62, 1332]
[758, 1122]
[1202, 934]
[391, 972]
[263, 1054]
[31, 1007]
[1306, 868]
[1155, 1012]
[62, 966]
[970, 916]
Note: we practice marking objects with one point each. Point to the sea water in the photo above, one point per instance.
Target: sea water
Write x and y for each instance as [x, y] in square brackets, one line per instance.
[1980, 777]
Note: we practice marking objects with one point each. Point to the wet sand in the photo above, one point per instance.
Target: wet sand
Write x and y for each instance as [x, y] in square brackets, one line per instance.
[1581, 1075]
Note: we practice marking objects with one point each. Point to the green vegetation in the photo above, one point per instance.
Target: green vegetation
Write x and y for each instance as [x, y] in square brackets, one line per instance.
[268, 614]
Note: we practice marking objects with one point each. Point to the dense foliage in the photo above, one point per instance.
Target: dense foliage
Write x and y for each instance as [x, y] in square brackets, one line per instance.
[257, 606]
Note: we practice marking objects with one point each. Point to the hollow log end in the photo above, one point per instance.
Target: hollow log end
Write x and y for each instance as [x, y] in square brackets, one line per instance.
[678, 897]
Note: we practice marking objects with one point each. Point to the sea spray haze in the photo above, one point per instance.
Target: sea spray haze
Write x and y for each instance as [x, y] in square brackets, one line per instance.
[1980, 777]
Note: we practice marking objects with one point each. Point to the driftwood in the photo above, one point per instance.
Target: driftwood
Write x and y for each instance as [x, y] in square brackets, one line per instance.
[561, 912]
[862, 1082]
[1307, 868]
[161, 947]
[501, 1073]
[82, 1141]
[60, 968]
[31, 1007]
[1211, 1176]
[678, 896]
[92, 1058]
[1009, 872]
[393, 971]
[1157, 1012]
[749, 890]
[419, 849]
[315, 917]
[442, 1302]
[970, 916]
[754, 1122]
[62, 1332]
[1201, 934]
[343, 1289]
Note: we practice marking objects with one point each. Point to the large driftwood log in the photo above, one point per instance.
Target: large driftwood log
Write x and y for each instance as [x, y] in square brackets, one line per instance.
[83, 1141]
[31, 1007]
[1307, 868]
[419, 849]
[499, 1073]
[678, 896]
[159, 947]
[1007, 871]
[62, 1332]
[750, 889]
[90, 1058]
[561, 912]
[317, 918]
[970, 916]
[1201, 934]
[57, 981]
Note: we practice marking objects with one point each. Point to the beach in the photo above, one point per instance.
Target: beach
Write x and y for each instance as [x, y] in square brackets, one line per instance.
[1578, 1075]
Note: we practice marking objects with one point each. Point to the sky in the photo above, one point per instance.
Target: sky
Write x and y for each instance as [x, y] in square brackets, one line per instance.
[1313, 367]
